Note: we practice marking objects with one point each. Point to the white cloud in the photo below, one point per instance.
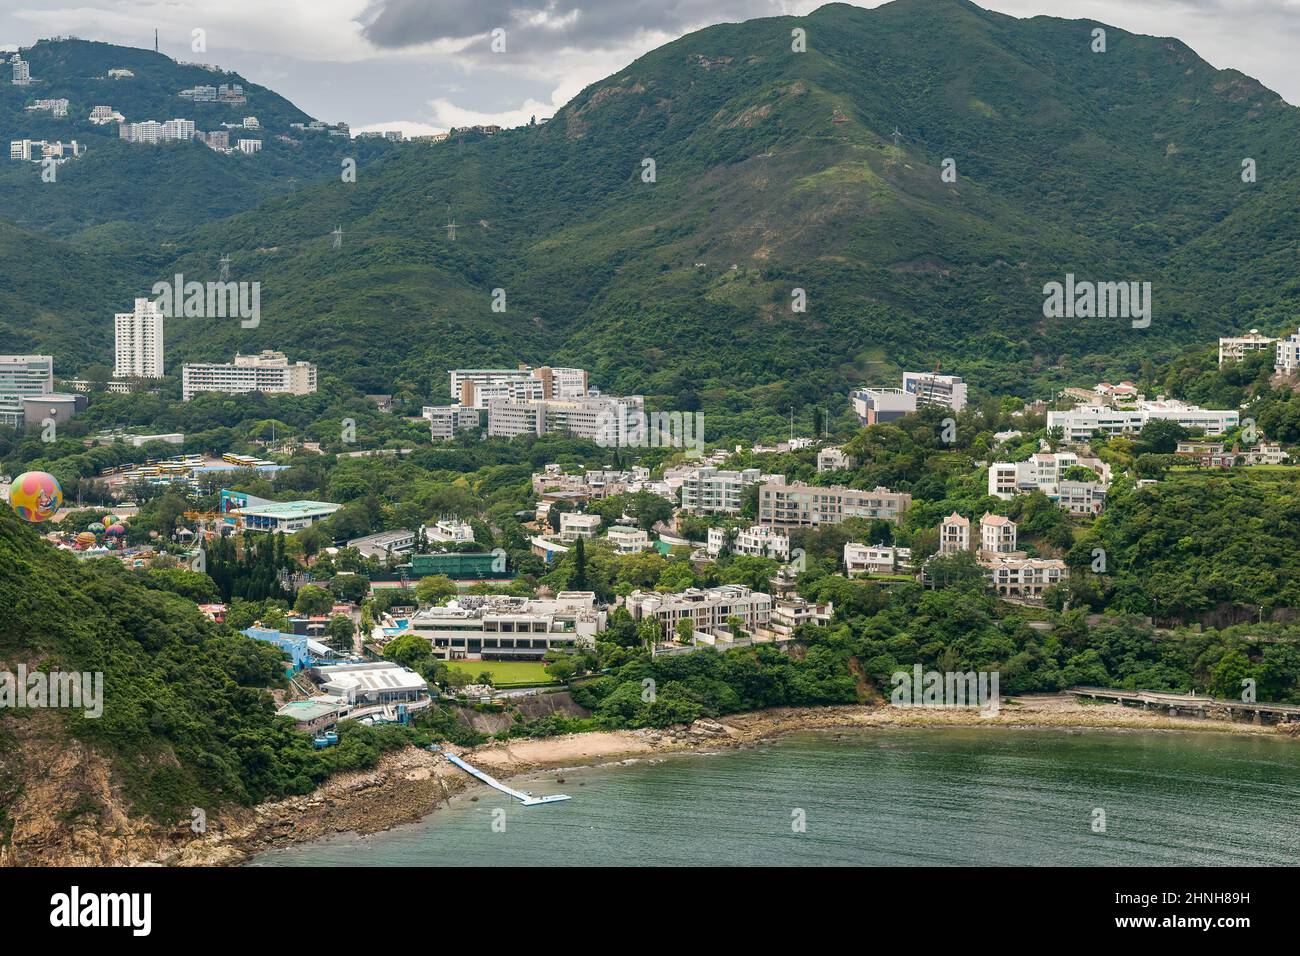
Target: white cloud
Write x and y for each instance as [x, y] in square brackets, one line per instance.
[448, 114]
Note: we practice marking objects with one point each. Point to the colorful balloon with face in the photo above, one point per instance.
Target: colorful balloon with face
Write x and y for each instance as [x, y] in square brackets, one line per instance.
[35, 496]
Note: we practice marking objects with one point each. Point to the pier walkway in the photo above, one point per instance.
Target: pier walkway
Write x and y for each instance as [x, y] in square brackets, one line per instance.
[527, 799]
[1193, 705]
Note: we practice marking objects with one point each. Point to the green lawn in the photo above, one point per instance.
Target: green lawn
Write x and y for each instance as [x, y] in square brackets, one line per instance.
[506, 672]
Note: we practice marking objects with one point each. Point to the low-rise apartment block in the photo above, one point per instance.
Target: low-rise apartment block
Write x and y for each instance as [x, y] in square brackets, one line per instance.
[709, 490]
[446, 420]
[496, 627]
[945, 391]
[1080, 424]
[756, 541]
[707, 610]
[875, 559]
[477, 386]
[575, 525]
[595, 419]
[268, 371]
[628, 540]
[797, 505]
[1044, 472]
[1024, 578]
[1237, 347]
[877, 405]
[834, 459]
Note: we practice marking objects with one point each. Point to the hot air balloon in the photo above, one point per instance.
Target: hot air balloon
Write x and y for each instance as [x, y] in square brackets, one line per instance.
[85, 540]
[116, 530]
[94, 527]
[35, 496]
[108, 520]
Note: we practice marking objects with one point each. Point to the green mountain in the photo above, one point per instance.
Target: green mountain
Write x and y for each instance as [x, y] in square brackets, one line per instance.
[777, 170]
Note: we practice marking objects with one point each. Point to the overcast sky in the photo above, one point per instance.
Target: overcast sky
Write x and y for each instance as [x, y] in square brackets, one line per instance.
[425, 65]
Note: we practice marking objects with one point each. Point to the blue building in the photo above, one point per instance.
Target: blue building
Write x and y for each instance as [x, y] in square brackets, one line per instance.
[294, 646]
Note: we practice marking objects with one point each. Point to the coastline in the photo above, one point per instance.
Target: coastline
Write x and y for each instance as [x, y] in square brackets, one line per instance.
[408, 786]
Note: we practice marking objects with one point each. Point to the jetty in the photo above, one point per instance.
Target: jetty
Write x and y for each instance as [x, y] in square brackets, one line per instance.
[1194, 705]
[527, 799]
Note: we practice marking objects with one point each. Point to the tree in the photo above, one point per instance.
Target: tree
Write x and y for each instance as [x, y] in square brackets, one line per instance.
[1160, 436]
[685, 631]
[313, 599]
[562, 669]
[350, 587]
[433, 589]
[340, 632]
[579, 580]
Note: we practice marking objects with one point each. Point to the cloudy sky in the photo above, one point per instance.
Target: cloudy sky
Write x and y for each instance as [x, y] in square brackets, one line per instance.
[425, 65]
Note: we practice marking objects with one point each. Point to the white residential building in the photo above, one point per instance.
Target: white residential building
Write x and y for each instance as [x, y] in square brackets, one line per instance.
[954, 534]
[1081, 497]
[1287, 354]
[834, 459]
[876, 405]
[22, 71]
[576, 524]
[797, 505]
[448, 531]
[249, 146]
[56, 108]
[997, 535]
[1080, 424]
[1024, 578]
[103, 115]
[496, 627]
[627, 540]
[757, 541]
[22, 376]
[478, 386]
[710, 491]
[595, 419]
[269, 372]
[151, 131]
[446, 420]
[707, 610]
[1235, 348]
[875, 559]
[384, 544]
[139, 342]
[946, 391]
[1040, 472]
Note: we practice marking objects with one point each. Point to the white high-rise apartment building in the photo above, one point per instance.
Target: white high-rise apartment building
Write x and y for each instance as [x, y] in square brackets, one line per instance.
[268, 371]
[139, 342]
[22, 375]
[22, 71]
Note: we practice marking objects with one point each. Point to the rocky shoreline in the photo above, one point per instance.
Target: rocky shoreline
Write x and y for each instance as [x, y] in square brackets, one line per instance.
[407, 786]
